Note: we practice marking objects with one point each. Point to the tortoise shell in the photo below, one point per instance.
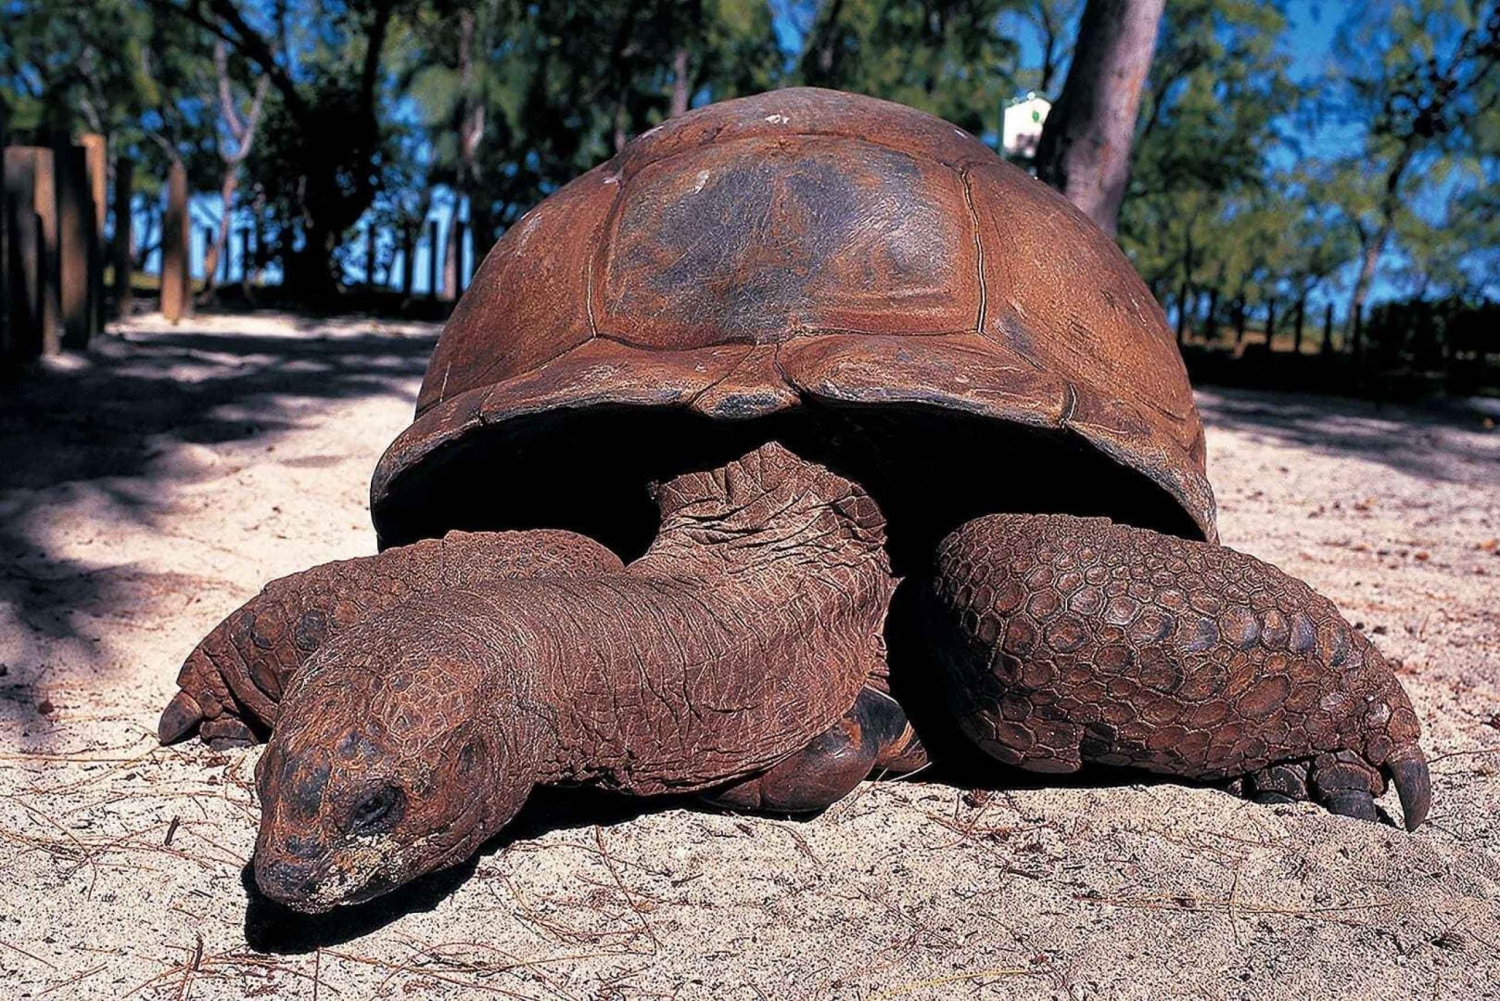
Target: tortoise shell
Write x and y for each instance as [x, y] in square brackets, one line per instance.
[800, 253]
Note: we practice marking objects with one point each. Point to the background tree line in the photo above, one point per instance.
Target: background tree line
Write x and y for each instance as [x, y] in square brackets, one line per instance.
[323, 123]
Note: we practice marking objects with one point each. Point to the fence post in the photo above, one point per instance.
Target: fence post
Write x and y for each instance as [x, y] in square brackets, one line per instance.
[40, 164]
[24, 304]
[96, 166]
[1297, 325]
[434, 258]
[75, 234]
[124, 249]
[175, 241]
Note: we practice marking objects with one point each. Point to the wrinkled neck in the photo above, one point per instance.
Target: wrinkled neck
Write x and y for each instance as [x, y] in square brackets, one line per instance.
[745, 631]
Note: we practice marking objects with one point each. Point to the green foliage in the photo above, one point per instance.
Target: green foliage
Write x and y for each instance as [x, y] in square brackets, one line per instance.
[948, 57]
[378, 109]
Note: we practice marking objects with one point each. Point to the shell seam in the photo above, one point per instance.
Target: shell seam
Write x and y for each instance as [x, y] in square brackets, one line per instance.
[963, 176]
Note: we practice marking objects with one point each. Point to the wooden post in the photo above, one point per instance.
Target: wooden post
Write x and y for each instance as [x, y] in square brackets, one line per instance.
[23, 305]
[75, 235]
[175, 239]
[96, 166]
[28, 171]
[1297, 325]
[434, 260]
[124, 245]
[208, 243]
[1327, 329]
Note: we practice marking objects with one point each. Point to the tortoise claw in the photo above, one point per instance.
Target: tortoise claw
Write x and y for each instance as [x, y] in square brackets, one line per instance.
[180, 719]
[1413, 785]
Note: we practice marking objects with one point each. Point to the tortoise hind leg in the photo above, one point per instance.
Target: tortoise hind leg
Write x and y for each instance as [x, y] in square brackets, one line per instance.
[1071, 640]
[873, 736]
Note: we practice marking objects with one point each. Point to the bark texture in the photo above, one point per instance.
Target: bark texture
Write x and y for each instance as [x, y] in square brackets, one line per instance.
[1085, 147]
[1074, 639]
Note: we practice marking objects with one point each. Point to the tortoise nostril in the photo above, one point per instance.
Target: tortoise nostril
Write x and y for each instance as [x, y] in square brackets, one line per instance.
[303, 848]
[282, 880]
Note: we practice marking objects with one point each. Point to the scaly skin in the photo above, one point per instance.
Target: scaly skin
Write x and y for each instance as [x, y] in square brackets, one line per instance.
[1074, 639]
[232, 681]
[748, 629]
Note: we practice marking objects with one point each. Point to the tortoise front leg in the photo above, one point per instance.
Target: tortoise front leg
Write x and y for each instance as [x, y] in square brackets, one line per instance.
[1074, 639]
[231, 683]
[873, 736]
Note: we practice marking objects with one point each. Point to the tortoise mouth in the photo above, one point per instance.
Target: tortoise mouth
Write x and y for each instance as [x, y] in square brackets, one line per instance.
[929, 467]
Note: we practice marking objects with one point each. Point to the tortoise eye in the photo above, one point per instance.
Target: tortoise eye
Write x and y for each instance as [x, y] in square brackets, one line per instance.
[378, 812]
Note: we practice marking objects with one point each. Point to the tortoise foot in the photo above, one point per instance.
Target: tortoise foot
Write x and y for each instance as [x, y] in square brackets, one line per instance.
[228, 732]
[873, 735]
[1343, 782]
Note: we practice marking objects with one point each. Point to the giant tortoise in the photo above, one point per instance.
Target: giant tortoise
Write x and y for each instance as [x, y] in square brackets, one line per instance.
[780, 354]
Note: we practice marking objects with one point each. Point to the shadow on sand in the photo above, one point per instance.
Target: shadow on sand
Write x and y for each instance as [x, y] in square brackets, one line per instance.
[1434, 439]
[105, 427]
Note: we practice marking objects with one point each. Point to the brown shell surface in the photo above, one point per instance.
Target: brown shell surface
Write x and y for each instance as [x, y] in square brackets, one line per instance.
[809, 246]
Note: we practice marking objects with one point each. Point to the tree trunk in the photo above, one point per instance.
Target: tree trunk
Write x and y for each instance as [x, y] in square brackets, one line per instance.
[370, 253]
[1182, 312]
[620, 135]
[1085, 147]
[470, 120]
[408, 259]
[680, 95]
[1297, 325]
[220, 239]
[1368, 262]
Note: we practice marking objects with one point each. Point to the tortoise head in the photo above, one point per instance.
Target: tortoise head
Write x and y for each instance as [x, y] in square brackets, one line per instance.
[394, 758]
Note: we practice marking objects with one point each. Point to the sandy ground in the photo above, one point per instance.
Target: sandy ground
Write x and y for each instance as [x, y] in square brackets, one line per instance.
[147, 490]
